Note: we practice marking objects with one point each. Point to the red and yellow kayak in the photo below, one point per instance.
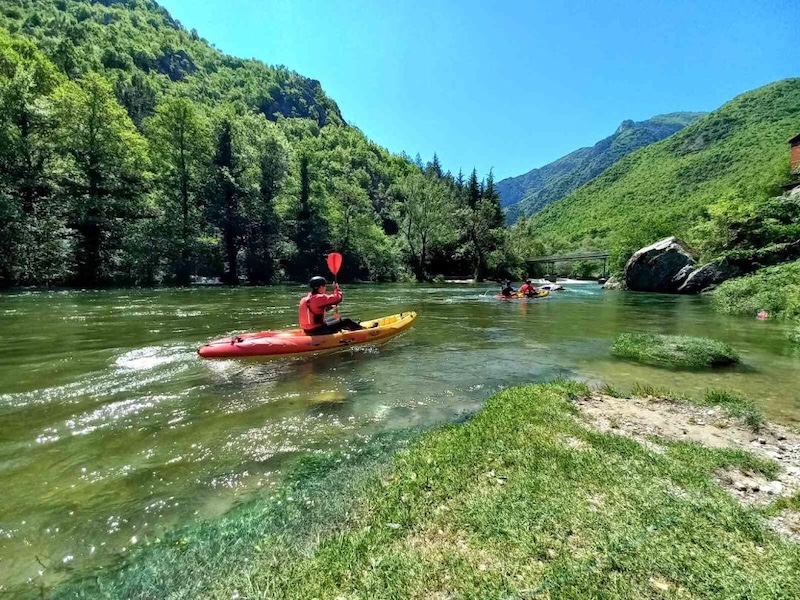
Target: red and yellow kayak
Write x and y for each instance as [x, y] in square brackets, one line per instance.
[540, 294]
[292, 342]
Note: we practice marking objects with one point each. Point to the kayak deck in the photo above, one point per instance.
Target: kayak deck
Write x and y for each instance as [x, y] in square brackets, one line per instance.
[290, 342]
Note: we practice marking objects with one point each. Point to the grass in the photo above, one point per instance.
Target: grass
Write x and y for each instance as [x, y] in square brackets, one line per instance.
[521, 501]
[673, 350]
[775, 290]
[737, 406]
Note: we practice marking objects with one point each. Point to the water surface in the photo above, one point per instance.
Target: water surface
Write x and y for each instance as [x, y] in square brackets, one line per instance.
[112, 430]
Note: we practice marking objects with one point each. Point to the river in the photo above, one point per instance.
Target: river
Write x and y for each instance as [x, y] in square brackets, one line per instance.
[113, 431]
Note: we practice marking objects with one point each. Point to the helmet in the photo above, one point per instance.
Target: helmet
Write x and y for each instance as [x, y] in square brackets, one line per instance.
[316, 283]
[528, 281]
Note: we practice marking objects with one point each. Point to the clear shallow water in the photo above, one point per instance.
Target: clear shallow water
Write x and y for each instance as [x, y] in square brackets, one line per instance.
[113, 431]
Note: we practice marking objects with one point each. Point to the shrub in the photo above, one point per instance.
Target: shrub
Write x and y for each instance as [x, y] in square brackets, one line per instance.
[774, 289]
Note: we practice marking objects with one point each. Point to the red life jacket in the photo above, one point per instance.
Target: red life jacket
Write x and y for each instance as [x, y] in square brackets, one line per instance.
[308, 317]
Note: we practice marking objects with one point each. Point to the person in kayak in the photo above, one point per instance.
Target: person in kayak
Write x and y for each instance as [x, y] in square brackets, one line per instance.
[313, 306]
[527, 289]
[507, 290]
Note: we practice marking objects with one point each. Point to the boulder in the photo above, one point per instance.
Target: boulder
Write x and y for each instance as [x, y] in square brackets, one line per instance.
[710, 274]
[660, 267]
[614, 283]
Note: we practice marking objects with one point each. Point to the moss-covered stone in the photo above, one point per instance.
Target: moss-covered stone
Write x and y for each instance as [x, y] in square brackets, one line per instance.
[674, 350]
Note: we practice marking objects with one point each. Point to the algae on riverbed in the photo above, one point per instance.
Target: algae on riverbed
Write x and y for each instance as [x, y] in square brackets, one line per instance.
[673, 350]
[522, 500]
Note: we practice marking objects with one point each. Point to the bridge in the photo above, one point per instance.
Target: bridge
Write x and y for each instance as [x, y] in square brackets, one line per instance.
[574, 257]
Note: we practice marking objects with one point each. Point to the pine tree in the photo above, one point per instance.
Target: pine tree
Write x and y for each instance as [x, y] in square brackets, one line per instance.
[474, 190]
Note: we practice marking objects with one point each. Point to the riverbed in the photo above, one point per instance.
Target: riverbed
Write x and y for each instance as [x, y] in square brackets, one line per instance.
[113, 431]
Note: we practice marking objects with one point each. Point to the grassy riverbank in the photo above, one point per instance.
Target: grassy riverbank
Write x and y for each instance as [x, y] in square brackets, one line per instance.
[522, 500]
[775, 290]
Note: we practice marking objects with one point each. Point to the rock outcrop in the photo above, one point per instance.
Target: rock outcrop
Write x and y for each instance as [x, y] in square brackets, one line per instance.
[710, 274]
[661, 267]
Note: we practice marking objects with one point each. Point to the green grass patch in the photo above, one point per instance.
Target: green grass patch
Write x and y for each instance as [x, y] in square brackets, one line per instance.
[521, 501]
[775, 290]
[737, 406]
[673, 350]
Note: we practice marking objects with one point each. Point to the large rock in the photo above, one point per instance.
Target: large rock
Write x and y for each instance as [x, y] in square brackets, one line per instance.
[710, 274]
[614, 283]
[660, 267]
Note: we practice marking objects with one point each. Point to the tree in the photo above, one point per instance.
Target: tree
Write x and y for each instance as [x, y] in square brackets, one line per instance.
[227, 190]
[427, 209]
[434, 168]
[180, 147]
[263, 222]
[101, 175]
[31, 232]
[311, 231]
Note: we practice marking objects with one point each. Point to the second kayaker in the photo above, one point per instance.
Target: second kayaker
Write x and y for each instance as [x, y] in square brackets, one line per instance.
[314, 306]
[527, 289]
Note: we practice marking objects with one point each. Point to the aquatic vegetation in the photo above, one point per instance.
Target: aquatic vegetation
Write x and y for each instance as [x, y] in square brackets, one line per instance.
[673, 350]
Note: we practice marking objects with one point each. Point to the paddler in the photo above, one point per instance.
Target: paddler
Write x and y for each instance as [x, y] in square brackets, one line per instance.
[507, 290]
[316, 303]
[527, 289]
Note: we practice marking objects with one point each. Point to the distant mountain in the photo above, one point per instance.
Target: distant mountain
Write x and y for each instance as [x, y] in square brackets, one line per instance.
[707, 182]
[529, 193]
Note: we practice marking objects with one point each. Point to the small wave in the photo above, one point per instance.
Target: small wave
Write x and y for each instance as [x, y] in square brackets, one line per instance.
[151, 356]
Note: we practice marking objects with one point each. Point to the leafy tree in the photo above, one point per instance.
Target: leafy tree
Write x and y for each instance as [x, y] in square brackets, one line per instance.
[427, 208]
[180, 145]
[31, 234]
[264, 227]
[101, 173]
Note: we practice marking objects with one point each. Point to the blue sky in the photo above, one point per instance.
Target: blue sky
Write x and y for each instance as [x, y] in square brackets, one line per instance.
[509, 84]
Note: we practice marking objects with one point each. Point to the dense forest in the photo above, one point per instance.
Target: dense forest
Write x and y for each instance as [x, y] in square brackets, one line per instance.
[527, 194]
[716, 184]
[135, 153]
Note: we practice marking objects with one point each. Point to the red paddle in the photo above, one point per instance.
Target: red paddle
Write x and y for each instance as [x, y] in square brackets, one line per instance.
[334, 264]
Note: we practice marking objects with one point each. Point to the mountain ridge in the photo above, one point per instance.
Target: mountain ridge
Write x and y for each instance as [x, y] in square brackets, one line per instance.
[708, 184]
[528, 193]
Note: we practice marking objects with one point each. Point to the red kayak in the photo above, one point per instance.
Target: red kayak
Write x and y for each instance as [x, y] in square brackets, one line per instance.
[289, 342]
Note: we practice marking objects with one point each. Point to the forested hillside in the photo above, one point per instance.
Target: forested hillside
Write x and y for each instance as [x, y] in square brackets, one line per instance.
[711, 184]
[134, 152]
[529, 193]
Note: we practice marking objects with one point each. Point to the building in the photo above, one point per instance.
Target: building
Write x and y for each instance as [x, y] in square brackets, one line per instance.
[794, 157]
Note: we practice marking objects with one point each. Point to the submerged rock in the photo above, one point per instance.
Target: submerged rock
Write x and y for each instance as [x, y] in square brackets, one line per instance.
[660, 267]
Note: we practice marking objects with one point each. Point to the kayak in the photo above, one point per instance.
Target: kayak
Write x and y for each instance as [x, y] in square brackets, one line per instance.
[540, 294]
[292, 342]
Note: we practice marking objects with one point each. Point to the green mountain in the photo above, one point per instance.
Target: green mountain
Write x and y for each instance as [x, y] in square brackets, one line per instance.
[529, 193]
[144, 52]
[708, 183]
[132, 151]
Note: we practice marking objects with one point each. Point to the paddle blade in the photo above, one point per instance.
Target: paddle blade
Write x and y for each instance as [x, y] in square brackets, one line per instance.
[334, 262]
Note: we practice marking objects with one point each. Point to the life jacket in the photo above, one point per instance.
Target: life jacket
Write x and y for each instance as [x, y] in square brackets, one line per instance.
[309, 318]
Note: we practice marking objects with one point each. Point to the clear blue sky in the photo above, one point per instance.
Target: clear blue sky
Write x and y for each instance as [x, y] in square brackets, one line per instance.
[509, 84]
